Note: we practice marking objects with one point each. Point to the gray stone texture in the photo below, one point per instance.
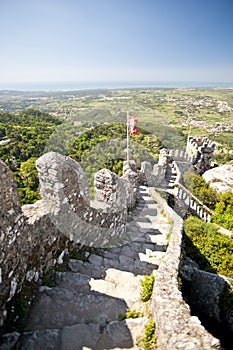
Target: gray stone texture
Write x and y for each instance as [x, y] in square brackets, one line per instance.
[175, 328]
[33, 236]
[220, 178]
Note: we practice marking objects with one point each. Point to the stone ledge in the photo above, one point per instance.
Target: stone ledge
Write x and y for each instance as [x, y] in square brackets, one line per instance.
[175, 327]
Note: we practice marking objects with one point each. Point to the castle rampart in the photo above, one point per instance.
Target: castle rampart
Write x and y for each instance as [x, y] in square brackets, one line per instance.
[202, 151]
[35, 237]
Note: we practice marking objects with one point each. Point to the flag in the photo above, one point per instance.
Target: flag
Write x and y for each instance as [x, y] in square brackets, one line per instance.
[192, 122]
[133, 125]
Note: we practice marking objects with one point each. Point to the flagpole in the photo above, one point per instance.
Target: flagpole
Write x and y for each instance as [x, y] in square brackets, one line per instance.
[189, 129]
[127, 125]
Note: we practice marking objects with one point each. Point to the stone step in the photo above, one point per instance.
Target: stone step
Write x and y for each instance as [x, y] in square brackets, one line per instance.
[149, 237]
[72, 280]
[86, 268]
[82, 311]
[48, 339]
[129, 290]
[56, 308]
[122, 334]
[114, 335]
[128, 264]
[154, 258]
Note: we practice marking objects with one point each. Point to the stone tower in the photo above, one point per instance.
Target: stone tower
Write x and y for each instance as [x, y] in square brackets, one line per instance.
[202, 151]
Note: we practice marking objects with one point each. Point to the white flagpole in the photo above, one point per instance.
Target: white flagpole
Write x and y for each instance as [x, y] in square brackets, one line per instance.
[189, 128]
[127, 125]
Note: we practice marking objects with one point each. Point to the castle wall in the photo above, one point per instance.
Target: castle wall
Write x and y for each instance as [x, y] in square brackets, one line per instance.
[26, 249]
[206, 291]
[35, 237]
[175, 327]
[202, 151]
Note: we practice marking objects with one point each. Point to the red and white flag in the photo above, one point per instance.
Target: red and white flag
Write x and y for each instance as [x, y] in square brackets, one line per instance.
[133, 125]
[192, 123]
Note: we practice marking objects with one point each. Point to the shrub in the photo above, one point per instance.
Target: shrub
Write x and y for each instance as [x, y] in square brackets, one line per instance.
[197, 185]
[212, 250]
[223, 210]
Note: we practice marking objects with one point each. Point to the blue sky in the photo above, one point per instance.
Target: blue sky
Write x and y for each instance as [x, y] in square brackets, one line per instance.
[116, 40]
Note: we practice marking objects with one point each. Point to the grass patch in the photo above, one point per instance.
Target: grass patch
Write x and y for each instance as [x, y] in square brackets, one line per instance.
[130, 314]
[148, 340]
[147, 284]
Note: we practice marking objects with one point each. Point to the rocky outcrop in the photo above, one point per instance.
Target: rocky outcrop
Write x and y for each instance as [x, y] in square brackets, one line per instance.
[220, 178]
[205, 295]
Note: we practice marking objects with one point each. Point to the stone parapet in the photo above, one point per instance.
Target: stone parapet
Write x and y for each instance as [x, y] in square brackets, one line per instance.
[35, 237]
[27, 248]
[175, 327]
[202, 151]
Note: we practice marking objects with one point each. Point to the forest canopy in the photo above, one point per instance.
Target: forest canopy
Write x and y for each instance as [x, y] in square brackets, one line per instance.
[94, 145]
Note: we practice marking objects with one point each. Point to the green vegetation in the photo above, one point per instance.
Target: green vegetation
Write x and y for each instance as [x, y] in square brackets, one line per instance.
[221, 204]
[28, 133]
[147, 284]
[223, 210]
[212, 250]
[148, 340]
[31, 133]
[197, 185]
[104, 147]
[67, 118]
[130, 314]
[28, 181]
[179, 283]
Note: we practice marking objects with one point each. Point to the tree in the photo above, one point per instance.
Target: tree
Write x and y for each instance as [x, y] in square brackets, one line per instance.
[29, 174]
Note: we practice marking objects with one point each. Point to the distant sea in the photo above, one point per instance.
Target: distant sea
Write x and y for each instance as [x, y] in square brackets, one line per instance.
[66, 86]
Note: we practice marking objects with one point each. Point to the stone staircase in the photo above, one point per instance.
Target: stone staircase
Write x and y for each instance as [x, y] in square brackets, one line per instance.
[84, 307]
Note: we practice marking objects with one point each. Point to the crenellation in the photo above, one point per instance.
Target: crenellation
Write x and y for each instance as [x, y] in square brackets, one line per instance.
[64, 217]
[202, 152]
[37, 236]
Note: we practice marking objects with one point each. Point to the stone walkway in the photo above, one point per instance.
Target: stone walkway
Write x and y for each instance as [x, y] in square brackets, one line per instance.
[82, 309]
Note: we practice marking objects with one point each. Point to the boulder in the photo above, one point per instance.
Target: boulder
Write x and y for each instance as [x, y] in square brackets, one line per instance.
[220, 178]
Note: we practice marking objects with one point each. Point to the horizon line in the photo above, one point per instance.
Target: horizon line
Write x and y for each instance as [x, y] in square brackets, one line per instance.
[107, 84]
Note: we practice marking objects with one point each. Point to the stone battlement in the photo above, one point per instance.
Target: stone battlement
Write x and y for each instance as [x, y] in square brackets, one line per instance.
[33, 235]
[202, 151]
